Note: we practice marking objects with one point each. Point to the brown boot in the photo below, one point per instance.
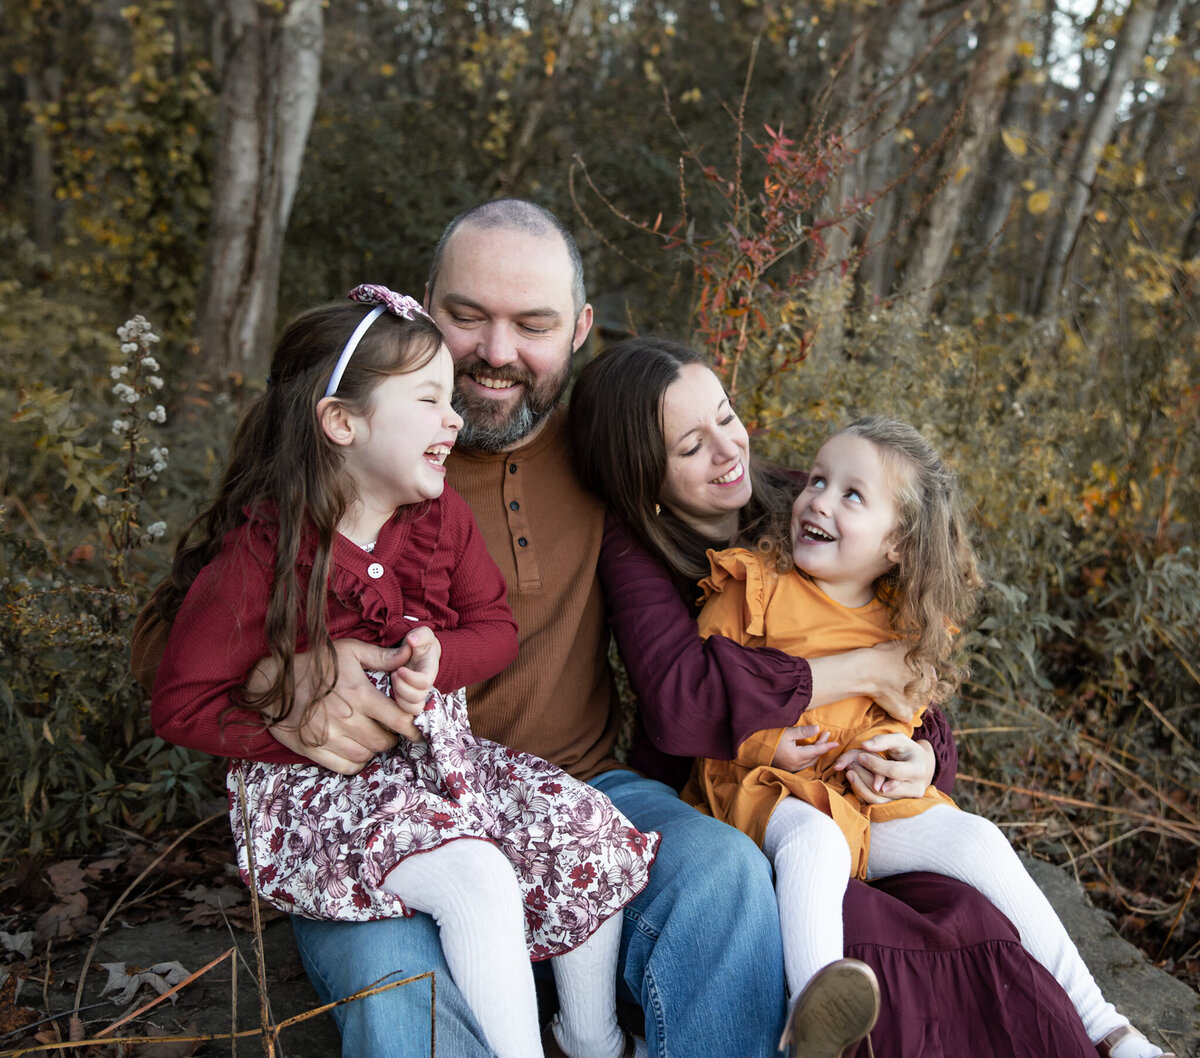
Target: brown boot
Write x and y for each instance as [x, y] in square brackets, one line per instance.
[1123, 1032]
[836, 1009]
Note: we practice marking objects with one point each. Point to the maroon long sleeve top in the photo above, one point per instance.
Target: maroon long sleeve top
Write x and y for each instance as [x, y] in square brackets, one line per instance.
[429, 567]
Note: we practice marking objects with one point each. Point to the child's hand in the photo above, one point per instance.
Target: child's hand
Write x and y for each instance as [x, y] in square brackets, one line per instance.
[419, 655]
[887, 767]
[791, 756]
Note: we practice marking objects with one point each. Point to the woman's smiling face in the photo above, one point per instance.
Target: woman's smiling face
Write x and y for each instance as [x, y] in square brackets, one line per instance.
[707, 480]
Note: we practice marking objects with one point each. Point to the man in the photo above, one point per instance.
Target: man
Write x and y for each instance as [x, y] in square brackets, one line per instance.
[700, 951]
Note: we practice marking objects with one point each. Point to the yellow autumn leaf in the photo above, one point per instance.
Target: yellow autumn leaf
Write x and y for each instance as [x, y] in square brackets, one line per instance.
[1025, 49]
[1039, 202]
[1014, 141]
[960, 173]
[1028, 185]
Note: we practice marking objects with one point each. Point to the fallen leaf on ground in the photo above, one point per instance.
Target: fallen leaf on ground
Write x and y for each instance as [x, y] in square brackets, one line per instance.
[66, 919]
[21, 943]
[161, 977]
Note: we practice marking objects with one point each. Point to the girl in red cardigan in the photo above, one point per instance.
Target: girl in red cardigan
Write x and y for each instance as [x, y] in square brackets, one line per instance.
[333, 520]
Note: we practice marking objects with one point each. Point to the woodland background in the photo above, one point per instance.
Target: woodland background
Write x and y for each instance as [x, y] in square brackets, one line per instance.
[982, 216]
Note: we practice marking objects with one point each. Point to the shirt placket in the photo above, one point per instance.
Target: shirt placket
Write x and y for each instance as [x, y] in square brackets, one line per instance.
[516, 510]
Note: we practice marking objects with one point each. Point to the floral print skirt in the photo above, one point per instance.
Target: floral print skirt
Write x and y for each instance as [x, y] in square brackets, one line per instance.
[321, 843]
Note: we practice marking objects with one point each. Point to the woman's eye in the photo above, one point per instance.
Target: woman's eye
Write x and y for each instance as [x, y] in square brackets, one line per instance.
[692, 451]
[726, 421]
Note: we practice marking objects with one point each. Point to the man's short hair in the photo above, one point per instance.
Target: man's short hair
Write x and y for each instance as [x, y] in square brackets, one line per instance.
[515, 214]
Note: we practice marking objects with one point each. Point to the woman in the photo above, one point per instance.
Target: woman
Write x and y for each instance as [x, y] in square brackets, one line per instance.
[655, 436]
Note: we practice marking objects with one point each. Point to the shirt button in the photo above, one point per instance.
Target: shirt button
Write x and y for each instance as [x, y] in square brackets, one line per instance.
[514, 506]
[375, 571]
[512, 468]
[522, 541]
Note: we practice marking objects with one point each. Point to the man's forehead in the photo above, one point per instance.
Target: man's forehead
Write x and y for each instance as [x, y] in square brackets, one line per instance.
[509, 247]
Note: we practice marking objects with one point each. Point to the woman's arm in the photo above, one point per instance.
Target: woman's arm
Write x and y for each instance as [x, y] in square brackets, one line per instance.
[704, 697]
[697, 697]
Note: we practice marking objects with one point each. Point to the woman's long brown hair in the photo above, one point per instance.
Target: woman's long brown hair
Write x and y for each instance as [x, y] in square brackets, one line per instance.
[619, 453]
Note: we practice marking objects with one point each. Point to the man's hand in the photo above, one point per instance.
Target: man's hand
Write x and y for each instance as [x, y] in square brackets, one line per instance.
[887, 767]
[353, 722]
[791, 756]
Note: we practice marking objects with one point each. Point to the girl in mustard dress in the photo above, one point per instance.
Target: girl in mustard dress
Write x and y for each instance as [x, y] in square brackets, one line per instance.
[876, 551]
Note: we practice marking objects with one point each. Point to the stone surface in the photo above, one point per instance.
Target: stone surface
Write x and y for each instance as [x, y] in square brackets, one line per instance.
[1164, 1008]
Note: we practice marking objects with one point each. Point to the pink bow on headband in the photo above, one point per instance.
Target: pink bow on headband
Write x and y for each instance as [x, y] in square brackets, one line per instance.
[397, 304]
[384, 300]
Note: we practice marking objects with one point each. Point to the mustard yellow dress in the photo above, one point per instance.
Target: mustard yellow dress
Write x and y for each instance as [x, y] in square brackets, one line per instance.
[752, 603]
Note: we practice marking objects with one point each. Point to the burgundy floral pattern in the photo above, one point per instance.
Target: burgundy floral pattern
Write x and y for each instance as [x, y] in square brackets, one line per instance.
[322, 843]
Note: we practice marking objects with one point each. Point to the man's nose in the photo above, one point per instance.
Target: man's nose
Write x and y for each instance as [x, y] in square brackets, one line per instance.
[496, 347]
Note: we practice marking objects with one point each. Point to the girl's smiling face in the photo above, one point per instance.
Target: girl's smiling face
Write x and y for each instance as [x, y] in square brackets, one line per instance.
[844, 522]
[396, 450]
[707, 480]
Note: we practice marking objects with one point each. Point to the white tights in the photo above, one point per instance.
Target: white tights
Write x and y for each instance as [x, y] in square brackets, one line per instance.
[470, 890]
[812, 868]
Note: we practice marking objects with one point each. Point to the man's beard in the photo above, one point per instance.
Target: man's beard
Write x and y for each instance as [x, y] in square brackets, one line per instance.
[489, 427]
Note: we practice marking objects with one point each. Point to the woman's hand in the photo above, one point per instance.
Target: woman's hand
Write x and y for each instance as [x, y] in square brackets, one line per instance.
[353, 722]
[791, 756]
[879, 672]
[887, 767]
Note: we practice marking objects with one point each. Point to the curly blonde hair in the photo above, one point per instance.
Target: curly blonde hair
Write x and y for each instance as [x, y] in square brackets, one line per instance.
[933, 590]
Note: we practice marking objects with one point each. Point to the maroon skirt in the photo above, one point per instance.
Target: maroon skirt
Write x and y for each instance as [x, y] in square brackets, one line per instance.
[953, 977]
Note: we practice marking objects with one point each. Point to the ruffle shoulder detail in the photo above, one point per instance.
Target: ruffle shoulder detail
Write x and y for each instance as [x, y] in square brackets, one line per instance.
[736, 564]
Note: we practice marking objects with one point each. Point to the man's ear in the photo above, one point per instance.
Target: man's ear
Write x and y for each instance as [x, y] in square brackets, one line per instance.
[335, 421]
[582, 325]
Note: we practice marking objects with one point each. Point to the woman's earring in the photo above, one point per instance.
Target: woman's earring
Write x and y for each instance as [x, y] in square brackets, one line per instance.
[657, 510]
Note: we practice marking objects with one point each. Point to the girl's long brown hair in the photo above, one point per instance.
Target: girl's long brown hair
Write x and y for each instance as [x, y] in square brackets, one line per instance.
[284, 469]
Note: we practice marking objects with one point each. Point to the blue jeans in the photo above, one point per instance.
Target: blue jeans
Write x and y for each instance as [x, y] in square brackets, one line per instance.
[700, 950]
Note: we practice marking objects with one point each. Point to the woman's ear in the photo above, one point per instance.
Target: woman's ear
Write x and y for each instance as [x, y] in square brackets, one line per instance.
[335, 421]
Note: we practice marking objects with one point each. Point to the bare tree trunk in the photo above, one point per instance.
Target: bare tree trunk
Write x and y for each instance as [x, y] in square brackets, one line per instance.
[42, 157]
[522, 146]
[984, 97]
[1130, 47]
[271, 59]
[903, 38]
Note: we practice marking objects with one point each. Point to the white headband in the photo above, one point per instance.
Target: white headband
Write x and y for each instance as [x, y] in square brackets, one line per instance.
[343, 360]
